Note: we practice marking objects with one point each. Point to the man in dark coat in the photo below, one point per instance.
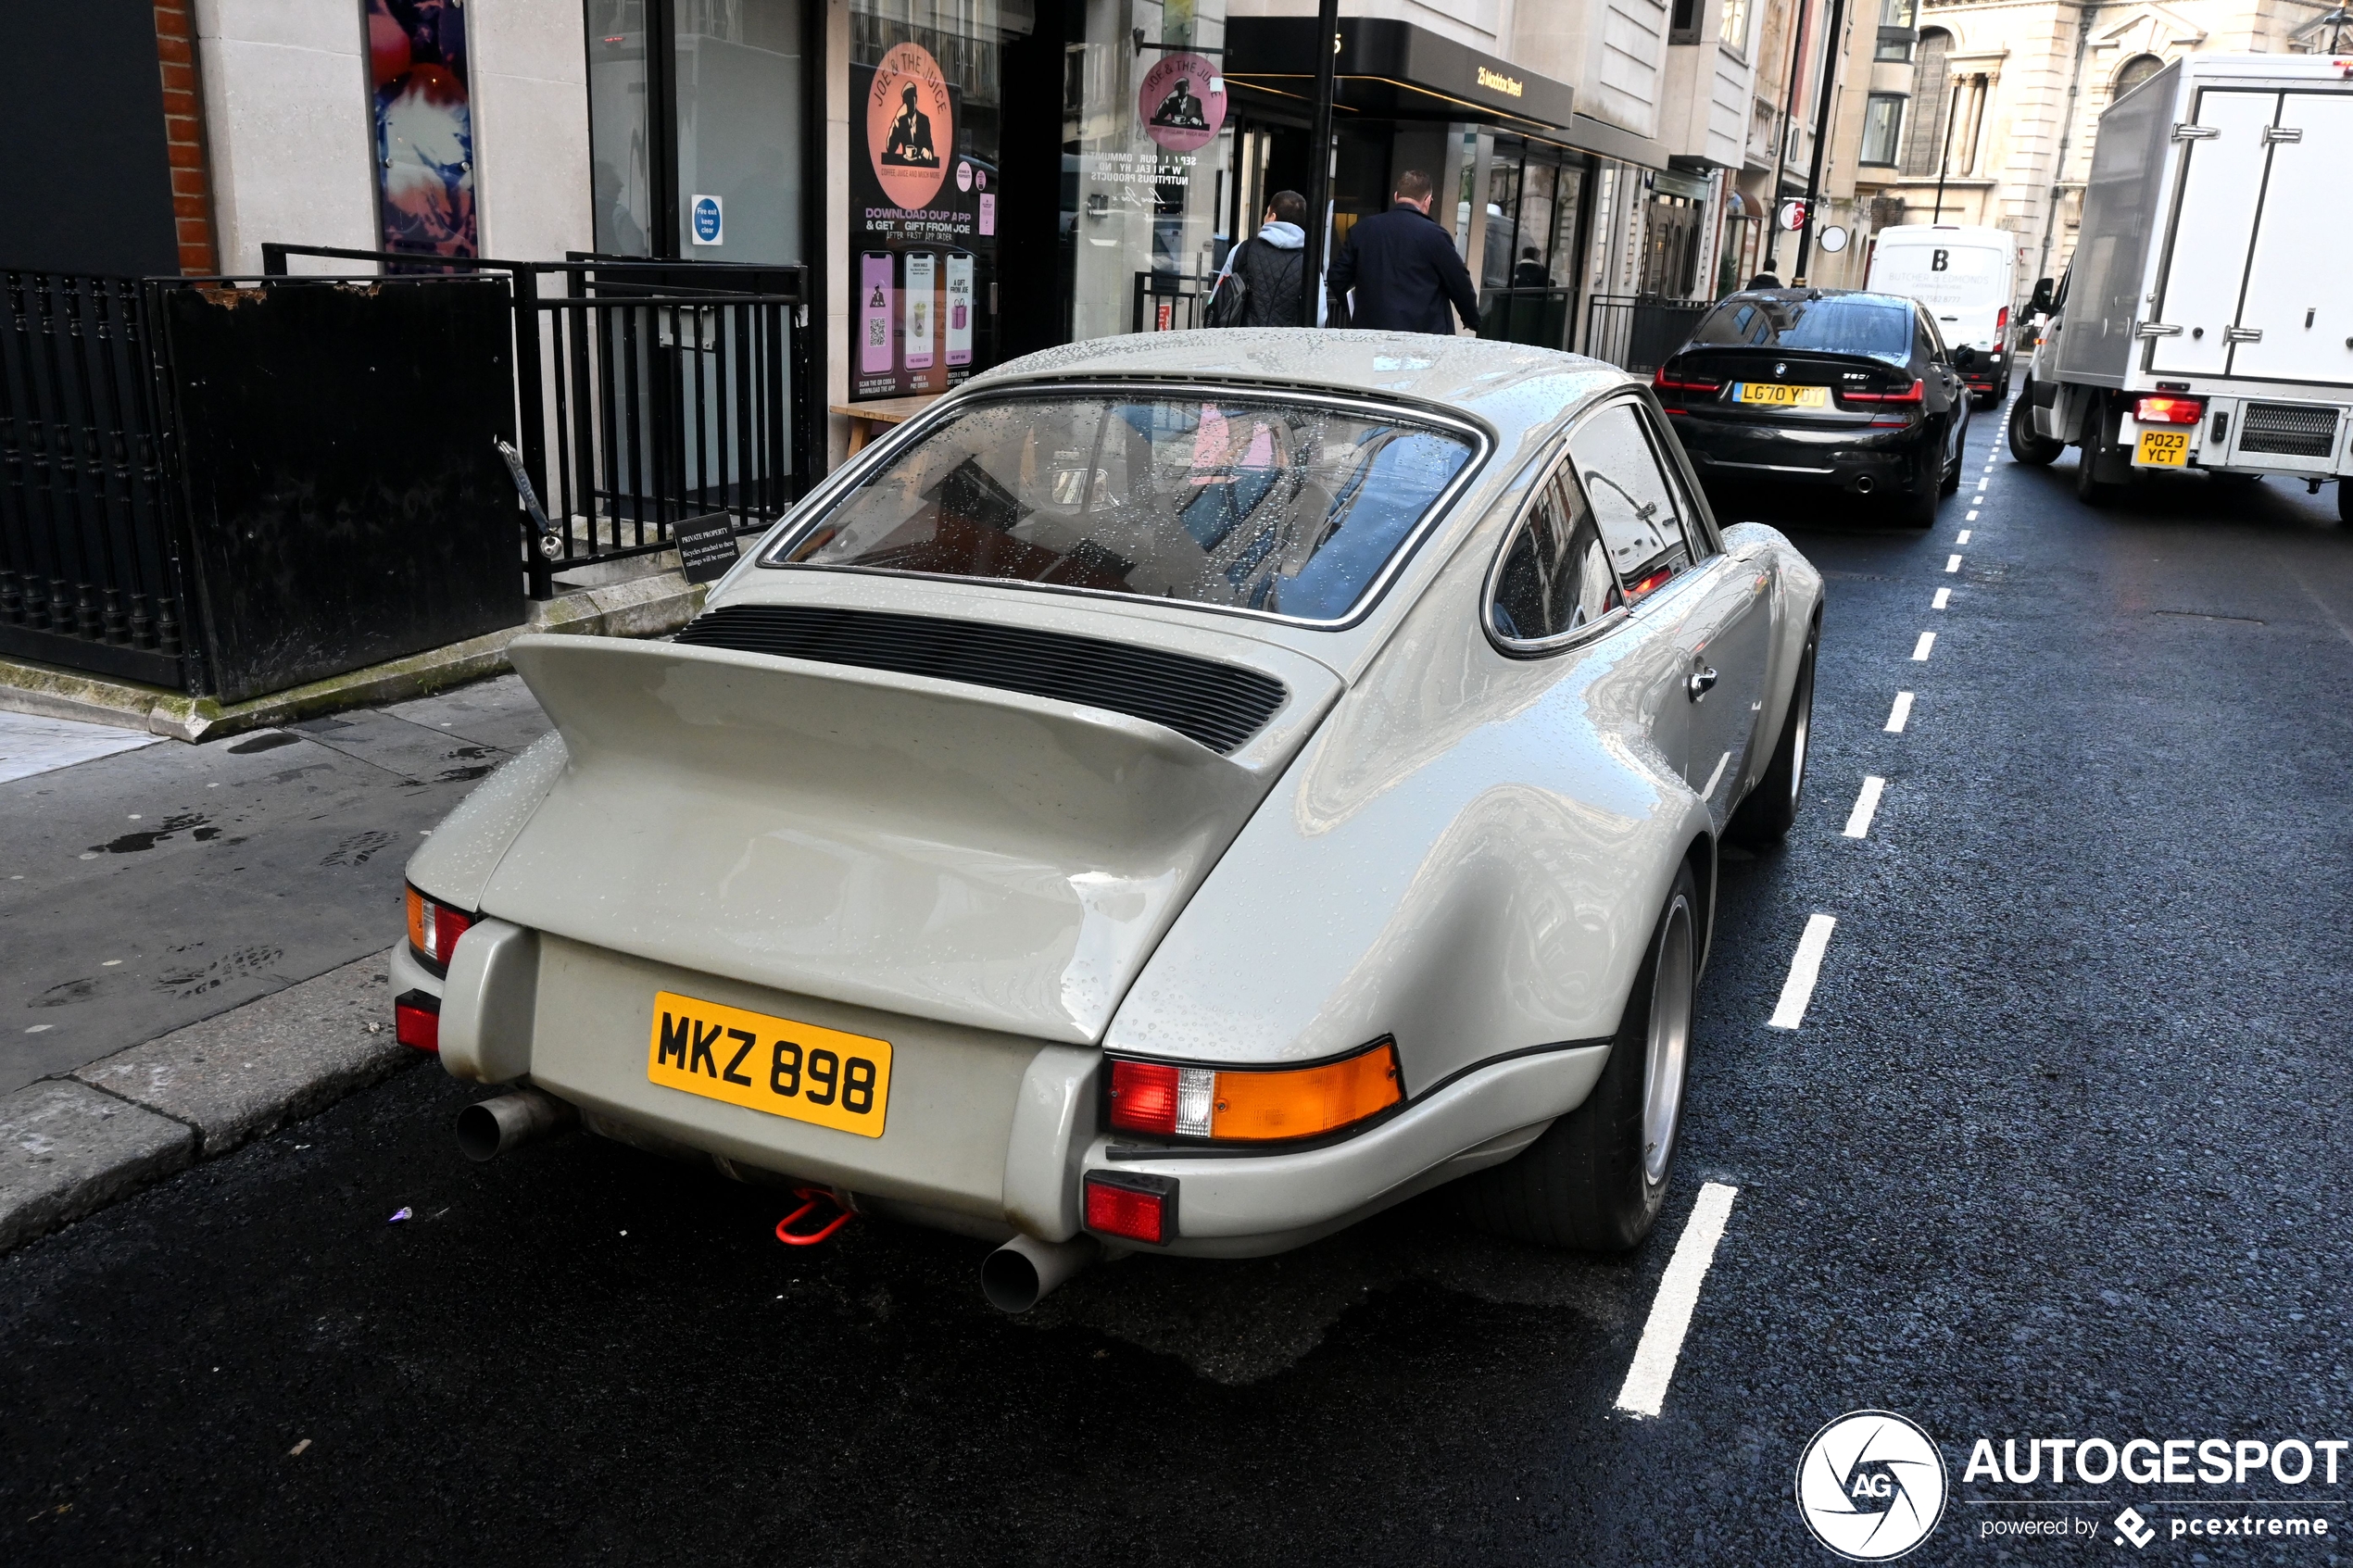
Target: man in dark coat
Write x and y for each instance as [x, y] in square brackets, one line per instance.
[1404, 267]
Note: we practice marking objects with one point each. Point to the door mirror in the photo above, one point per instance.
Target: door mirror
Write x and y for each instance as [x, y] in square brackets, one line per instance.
[1964, 357]
[2040, 304]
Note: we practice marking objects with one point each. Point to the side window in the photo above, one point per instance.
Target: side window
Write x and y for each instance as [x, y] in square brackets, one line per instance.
[1554, 576]
[1635, 507]
[1931, 344]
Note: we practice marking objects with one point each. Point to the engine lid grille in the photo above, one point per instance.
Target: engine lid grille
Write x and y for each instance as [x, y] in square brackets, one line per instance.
[2292, 430]
[1219, 705]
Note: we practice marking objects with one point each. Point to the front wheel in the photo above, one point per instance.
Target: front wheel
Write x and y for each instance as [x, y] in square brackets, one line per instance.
[1766, 817]
[2345, 502]
[1597, 1177]
[2027, 445]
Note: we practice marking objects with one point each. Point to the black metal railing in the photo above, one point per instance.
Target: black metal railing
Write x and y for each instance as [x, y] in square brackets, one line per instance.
[1541, 317]
[648, 394]
[1169, 301]
[89, 537]
[1640, 333]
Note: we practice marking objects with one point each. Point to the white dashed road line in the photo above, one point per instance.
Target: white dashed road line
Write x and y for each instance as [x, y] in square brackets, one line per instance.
[1972, 517]
[1962, 537]
[1920, 649]
[1944, 597]
[1858, 821]
[1952, 564]
[1805, 969]
[1901, 714]
[1670, 1319]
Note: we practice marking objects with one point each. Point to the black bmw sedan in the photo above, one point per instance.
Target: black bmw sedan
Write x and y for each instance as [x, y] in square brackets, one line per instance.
[1822, 386]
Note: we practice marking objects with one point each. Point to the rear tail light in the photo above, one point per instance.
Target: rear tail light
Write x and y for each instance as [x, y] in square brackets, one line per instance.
[1132, 1206]
[1682, 383]
[416, 1019]
[1254, 1105]
[434, 930]
[2001, 325]
[2170, 410]
[1913, 393]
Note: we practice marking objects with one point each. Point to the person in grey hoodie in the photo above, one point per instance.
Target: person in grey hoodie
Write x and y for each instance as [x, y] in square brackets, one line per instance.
[1270, 263]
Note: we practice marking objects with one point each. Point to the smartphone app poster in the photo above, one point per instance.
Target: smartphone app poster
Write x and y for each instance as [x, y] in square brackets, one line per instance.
[922, 230]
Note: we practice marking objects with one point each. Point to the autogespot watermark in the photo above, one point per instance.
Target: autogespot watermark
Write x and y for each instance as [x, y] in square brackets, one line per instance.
[1872, 1485]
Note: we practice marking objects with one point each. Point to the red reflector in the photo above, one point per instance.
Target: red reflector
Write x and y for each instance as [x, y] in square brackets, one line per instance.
[2170, 410]
[1139, 1208]
[1143, 1098]
[416, 1020]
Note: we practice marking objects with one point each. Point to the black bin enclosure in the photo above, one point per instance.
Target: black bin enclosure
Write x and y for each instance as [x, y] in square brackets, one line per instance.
[345, 501]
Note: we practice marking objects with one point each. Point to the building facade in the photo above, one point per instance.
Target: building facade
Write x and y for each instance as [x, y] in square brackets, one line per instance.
[965, 181]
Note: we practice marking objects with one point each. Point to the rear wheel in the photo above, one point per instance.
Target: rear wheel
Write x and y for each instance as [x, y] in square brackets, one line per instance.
[1917, 508]
[1952, 481]
[2090, 488]
[1597, 1177]
[2027, 445]
[1771, 807]
[2345, 502]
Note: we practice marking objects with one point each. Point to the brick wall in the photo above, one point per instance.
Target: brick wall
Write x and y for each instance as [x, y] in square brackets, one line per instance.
[184, 136]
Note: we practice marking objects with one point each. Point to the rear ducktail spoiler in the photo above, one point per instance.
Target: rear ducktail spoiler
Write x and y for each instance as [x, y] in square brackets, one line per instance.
[886, 839]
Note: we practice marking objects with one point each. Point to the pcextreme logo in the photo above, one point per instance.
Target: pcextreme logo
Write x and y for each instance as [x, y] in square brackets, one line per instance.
[1872, 1485]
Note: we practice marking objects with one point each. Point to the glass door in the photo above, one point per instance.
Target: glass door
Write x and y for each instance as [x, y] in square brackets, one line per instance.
[1527, 275]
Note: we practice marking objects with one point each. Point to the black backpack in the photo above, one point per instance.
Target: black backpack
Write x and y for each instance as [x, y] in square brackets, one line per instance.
[1229, 302]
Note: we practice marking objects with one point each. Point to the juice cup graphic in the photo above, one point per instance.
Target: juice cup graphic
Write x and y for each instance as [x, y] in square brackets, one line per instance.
[921, 274]
[960, 310]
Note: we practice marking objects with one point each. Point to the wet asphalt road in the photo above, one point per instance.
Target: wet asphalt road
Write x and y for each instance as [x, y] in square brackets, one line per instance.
[2059, 1150]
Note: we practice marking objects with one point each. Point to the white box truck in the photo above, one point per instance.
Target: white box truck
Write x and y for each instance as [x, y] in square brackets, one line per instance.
[1968, 278]
[2207, 318]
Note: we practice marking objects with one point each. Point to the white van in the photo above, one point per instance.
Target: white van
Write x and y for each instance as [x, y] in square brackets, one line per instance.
[1968, 278]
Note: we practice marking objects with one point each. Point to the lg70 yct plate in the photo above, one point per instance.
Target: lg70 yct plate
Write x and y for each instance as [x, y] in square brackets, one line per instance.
[770, 1064]
[1774, 396]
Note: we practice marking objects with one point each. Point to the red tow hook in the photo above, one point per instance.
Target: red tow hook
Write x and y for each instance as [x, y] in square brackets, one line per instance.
[812, 1199]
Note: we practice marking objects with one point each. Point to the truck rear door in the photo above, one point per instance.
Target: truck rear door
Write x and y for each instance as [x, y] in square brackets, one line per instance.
[2207, 254]
[2297, 297]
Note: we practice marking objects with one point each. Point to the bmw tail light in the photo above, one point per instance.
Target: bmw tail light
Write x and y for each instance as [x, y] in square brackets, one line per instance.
[416, 1019]
[1911, 395]
[1682, 382]
[1254, 1105]
[2170, 410]
[1132, 1206]
[434, 930]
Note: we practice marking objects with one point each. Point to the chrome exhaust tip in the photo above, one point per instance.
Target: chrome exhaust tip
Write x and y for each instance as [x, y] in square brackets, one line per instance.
[1863, 485]
[1026, 1271]
[488, 1128]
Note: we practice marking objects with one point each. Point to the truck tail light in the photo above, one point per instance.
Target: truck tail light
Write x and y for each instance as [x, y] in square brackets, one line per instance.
[416, 1019]
[2001, 325]
[434, 930]
[2170, 410]
[1132, 1206]
[1254, 1105]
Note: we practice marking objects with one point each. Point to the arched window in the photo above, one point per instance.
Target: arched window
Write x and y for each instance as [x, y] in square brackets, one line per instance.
[1930, 110]
[2137, 69]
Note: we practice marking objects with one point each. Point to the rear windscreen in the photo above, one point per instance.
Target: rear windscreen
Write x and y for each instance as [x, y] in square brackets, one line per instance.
[1290, 509]
[1837, 326]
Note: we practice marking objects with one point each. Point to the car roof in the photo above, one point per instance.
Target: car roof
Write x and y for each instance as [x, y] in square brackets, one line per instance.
[1515, 390]
[1790, 296]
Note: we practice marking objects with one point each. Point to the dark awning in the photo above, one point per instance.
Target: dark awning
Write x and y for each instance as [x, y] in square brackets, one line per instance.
[1395, 71]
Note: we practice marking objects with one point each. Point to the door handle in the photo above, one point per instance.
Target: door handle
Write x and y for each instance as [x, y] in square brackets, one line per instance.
[1697, 686]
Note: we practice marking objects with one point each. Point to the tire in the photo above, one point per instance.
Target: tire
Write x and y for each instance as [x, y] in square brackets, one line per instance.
[1597, 1177]
[1766, 817]
[2090, 489]
[1917, 508]
[2344, 502]
[2026, 445]
[1951, 483]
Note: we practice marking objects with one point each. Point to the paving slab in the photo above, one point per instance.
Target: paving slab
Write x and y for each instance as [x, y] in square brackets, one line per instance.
[67, 1149]
[260, 1066]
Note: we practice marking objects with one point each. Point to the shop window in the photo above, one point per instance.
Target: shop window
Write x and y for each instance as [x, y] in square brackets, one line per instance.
[1528, 271]
[1882, 127]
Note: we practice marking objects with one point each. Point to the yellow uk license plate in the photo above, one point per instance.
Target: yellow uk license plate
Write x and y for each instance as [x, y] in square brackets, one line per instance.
[2166, 448]
[772, 1064]
[1772, 395]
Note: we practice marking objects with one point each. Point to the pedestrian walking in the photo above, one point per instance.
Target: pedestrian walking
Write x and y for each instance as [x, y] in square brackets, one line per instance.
[1404, 267]
[1258, 286]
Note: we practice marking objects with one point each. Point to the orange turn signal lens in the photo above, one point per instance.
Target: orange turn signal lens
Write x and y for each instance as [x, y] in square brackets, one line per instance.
[433, 928]
[1305, 1101]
